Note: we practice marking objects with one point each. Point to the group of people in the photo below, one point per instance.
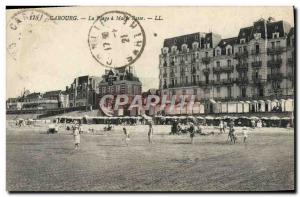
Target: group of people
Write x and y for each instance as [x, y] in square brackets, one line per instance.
[191, 128]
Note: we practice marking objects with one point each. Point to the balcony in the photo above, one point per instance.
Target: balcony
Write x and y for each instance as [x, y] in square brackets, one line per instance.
[258, 79]
[172, 74]
[206, 60]
[242, 80]
[165, 75]
[275, 50]
[172, 63]
[193, 70]
[290, 76]
[275, 63]
[275, 77]
[217, 82]
[241, 55]
[241, 67]
[291, 61]
[256, 64]
[228, 68]
[227, 81]
[255, 52]
[206, 70]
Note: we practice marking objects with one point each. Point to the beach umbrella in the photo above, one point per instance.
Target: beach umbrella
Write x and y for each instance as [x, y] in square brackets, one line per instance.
[244, 117]
[286, 118]
[218, 118]
[200, 117]
[265, 118]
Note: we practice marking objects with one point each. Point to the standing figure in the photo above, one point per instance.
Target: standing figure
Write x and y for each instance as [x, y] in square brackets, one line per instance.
[127, 137]
[192, 132]
[76, 133]
[150, 132]
[245, 134]
[221, 127]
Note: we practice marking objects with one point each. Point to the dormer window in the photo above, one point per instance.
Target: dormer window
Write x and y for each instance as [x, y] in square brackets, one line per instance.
[242, 41]
[229, 51]
[195, 45]
[208, 45]
[184, 47]
[165, 50]
[173, 49]
[218, 52]
[275, 35]
[257, 36]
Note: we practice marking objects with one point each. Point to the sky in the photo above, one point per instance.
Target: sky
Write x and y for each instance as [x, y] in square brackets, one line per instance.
[50, 55]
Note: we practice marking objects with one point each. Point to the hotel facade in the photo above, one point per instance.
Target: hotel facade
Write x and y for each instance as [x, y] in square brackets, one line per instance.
[255, 67]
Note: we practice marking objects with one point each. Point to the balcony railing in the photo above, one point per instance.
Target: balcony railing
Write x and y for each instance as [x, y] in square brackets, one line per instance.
[275, 77]
[291, 61]
[275, 50]
[206, 70]
[165, 75]
[290, 76]
[228, 81]
[241, 55]
[228, 68]
[256, 64]
[206, 60]
[275, 63]
[193, 71]
[255, 52]
[242, 80]
[257, 79]
[243, 66]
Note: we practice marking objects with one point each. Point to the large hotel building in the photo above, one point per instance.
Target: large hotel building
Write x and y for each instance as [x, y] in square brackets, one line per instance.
[257, 65]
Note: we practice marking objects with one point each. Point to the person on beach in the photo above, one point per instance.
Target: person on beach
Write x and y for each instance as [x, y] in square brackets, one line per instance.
[150, 132]
[76, 134]
[127, 137]
[192, 132]
[221, 127]
[245, 134]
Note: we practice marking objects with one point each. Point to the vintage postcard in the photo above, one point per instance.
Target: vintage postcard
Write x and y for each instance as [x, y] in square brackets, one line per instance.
[176, 99]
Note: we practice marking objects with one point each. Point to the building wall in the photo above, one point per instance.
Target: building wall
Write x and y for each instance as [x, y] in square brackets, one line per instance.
[194, 70]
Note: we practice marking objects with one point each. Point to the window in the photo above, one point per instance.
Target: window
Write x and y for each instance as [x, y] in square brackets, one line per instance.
[257, 48]
[275, 35]
[229, 51]
[186, 79]
[229, 91]
[229, 62]
[218, 64]
[240, 49]
[278, 43]
[218, 77]
[245, 48]
[206, 54]
[273, 45]
[218, 52]
[218, 91]
[195, 91]
[243, 92]
[242, 41]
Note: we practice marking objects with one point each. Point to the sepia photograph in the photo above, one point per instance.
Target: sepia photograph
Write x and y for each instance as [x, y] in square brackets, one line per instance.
[150, 99]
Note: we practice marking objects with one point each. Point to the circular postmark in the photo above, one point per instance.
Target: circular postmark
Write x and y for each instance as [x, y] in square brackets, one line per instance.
[116, 39]
[22, 25]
